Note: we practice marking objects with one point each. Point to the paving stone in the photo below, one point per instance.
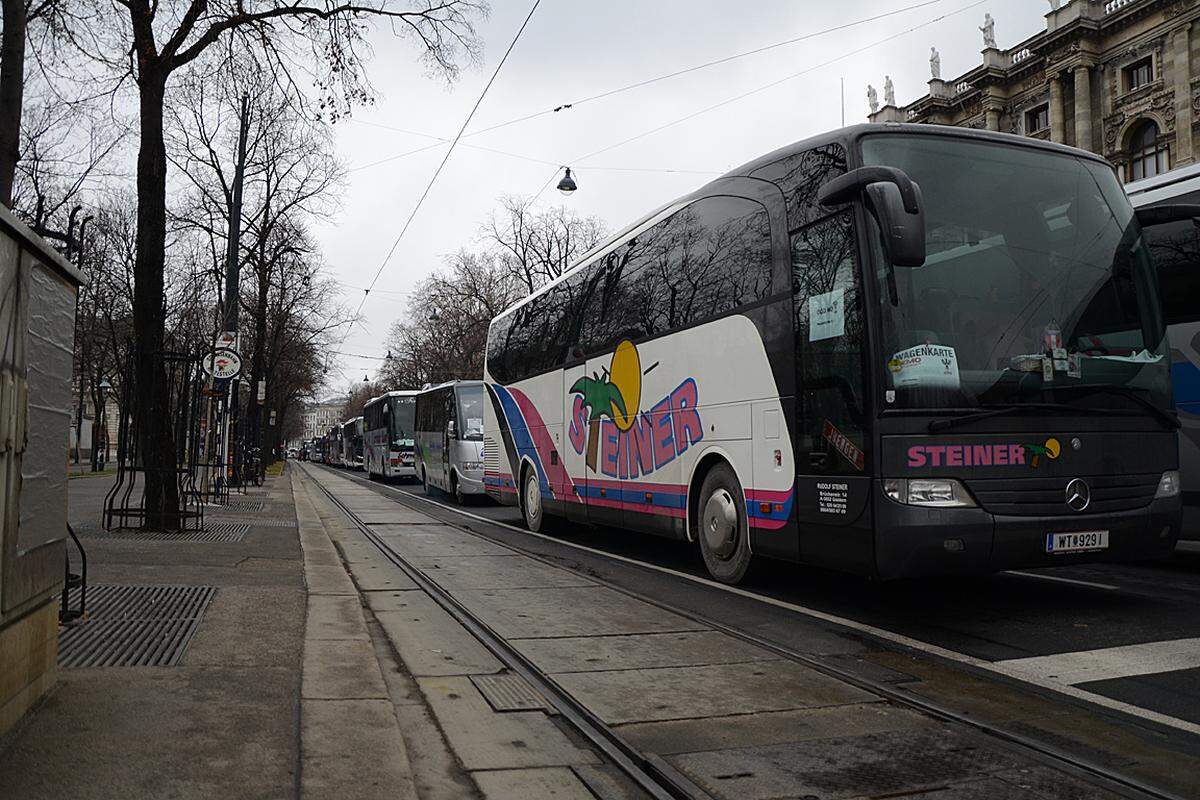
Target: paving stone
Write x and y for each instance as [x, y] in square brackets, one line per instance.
[569, 611]
[639, 651]
[325, 579]
[428, 639]
[532, 784]
[639, 695]
[769, 727]
[352, 748]
[379, 576]
[415, 542]
[341, 670]
[484, 739]
[859, 766]
[335, 617]
[511, 571]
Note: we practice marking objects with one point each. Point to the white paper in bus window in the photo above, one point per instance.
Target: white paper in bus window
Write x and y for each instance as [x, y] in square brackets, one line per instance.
[826, 316]
[474, 425]
[926, 366]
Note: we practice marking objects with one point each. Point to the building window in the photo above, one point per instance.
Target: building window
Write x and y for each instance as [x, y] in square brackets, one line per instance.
[1147, 157]
[1139, 74]
[1037, 119]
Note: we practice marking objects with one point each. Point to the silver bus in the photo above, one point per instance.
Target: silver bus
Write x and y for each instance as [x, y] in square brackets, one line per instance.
[450, 438]
[388, 438]
[352, 443]
[1176, 248]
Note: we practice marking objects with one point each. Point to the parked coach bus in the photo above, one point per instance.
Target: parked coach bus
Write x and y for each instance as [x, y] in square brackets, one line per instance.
[332, 454]
[893, 350]
[352, 443]
[388, 441]
[450, 438]
[1176, 249]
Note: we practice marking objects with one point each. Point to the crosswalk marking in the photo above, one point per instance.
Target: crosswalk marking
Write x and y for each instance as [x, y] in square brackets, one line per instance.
[1110, 662]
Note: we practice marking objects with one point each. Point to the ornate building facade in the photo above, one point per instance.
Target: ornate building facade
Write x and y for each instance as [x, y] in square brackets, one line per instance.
[1117, 77]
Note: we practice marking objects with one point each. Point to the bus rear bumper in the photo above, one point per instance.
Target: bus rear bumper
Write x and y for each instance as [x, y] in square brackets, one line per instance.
[915, 542]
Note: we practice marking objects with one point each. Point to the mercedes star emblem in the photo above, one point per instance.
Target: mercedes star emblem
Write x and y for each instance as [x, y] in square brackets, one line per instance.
[1079, 494]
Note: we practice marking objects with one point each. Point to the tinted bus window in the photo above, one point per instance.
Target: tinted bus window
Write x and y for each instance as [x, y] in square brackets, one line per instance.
[800, 176]
[830, 340]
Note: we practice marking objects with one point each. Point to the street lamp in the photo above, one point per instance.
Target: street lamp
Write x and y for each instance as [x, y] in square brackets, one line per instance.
[567, 184]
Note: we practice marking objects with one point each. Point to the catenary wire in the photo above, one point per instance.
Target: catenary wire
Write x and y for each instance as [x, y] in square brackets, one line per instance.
[438, 171]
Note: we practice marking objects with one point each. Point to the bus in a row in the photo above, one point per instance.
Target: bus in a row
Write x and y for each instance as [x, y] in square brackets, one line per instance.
[892, 350]
[389, 439]
[449, 438]
[1176, 249]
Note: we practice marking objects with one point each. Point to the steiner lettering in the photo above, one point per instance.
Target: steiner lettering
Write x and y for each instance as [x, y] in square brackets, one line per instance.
[965, 455]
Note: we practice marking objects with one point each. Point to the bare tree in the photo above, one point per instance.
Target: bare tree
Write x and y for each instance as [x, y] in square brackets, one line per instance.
[323, 42]
[535, 248]
[473, 291]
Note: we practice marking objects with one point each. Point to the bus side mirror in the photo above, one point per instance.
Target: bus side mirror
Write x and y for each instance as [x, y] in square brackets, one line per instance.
[1164, 215]
[450, 429]
[894, 199]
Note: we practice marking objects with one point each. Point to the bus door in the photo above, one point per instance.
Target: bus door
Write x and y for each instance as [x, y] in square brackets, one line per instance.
[449, 435]
[832, 460]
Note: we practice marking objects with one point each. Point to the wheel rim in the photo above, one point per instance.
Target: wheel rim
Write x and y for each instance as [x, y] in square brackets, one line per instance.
[533, 499]
[720, 524]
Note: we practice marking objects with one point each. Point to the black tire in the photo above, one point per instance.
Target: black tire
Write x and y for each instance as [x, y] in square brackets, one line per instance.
[722, 529]
[456, 490]
[532, 510]
[425, 482]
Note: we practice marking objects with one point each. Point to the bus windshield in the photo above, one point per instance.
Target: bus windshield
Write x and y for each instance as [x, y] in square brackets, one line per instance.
[470, 412]
[1037, 281]
[403, 412]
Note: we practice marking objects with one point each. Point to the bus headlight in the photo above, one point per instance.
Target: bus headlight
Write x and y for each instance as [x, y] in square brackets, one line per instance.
[1168, 485]
[928, 492]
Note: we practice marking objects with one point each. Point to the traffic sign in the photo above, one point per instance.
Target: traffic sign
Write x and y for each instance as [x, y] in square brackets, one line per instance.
[226, 340]
[223, 364]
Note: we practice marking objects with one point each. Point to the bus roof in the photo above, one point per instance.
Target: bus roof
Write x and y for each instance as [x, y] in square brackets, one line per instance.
[397, 393]
[1179, 181]
[846, 137]
[451, 383]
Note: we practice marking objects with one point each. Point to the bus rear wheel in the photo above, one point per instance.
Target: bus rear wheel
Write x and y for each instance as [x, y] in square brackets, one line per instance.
[722, 529]
[531, 501]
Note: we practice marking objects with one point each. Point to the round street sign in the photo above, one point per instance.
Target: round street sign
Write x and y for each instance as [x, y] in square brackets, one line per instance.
[223, 364]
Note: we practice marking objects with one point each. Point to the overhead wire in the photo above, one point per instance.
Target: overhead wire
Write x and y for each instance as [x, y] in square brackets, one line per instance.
[438, 171]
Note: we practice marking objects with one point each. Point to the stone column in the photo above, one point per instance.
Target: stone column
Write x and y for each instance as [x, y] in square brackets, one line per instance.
[992, 116]
[1180, 43]
[1084, 136]
[1057, 125]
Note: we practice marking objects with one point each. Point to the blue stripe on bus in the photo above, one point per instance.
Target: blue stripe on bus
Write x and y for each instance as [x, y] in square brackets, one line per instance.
[522, 439]
[1185, 377]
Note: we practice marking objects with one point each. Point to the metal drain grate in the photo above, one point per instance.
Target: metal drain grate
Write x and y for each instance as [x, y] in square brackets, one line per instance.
[134, 626]
[255, 522]
[510, 692]
[213, 532]
[244, 505]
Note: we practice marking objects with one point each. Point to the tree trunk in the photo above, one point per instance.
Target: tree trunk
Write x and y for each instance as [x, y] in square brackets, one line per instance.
[12, 89]
[152, 396]
[593, 445]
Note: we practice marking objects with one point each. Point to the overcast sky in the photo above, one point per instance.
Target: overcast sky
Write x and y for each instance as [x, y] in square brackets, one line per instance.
[572, 50]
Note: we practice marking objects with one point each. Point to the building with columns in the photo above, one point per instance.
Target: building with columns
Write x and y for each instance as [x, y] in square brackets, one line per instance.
[1118, 77]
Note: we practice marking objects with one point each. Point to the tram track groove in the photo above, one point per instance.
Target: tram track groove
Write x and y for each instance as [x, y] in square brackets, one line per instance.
[651, 773]
[1047, 754]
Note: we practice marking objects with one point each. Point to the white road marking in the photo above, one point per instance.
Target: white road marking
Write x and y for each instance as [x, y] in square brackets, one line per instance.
[896, 638]
[1111, 662]
[1057, 579]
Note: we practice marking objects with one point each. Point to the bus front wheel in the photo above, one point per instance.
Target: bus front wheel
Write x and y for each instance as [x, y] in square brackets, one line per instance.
[531, 501]
[424, 481]
[722, 528]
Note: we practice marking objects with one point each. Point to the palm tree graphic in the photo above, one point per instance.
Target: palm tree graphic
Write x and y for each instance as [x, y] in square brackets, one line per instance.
[600, 396]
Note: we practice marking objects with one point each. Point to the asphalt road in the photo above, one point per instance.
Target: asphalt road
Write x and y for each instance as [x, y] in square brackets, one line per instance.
[1042, 626]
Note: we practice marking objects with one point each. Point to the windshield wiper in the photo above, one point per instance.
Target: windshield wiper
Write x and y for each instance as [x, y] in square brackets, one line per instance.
[997, 411]
[1168, 418]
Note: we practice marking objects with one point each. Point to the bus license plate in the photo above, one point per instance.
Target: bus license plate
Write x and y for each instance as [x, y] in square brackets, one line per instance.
[1080, 542]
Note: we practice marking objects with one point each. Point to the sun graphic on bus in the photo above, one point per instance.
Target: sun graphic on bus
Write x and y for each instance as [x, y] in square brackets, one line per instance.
[615, 394]
[1051, 450]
